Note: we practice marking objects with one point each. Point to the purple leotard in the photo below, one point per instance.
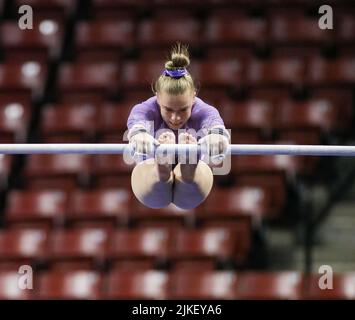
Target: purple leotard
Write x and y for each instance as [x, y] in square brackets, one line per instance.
[203, 117]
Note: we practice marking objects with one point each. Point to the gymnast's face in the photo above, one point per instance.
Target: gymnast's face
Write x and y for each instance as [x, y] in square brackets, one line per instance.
[176, 109]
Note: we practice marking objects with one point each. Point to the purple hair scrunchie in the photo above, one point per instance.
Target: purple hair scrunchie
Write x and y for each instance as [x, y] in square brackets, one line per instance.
[176, 74]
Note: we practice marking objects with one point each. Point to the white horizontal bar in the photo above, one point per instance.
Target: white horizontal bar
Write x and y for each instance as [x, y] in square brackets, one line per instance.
[234, 149]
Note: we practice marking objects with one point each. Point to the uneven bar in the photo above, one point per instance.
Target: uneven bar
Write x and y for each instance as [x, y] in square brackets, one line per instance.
[234, 149]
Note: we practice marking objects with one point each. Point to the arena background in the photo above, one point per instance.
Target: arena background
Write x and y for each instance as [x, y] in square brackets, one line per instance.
[276, 227]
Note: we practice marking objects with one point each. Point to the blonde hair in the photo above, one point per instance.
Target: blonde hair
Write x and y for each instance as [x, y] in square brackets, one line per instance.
[178, 59]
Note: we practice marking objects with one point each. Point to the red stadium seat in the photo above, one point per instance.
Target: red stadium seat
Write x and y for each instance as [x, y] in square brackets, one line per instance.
[133, 78]
[209, 244]
[342, 287]
[342, 98]
[80, 248]
[107, 206]
[9, 286]
[22, 246]
[170, 216]
[297, 30]
[251, 116]
[269, 285]
[252, 164]
[40, 43]
[70, 285]
[37, 208]
[221, 74]
[113, 118]
[272, 172]
[14, 121]
[57, 170]
[237, 202]
[147, 284]
[112, 170]
[318, 114]
[85, 81]
[155, 33]
[69, 123]
[286, 72]
[240, 31]
[23, 78]
[221, 285]
[103, 40]
[140, 244]
[338, 72]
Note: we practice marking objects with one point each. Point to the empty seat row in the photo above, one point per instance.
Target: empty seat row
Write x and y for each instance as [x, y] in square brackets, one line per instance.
[115, 206]
[77, 78]
[70, 171]
[110, 38]
[107, 79]
[152, 284]
[92, 247]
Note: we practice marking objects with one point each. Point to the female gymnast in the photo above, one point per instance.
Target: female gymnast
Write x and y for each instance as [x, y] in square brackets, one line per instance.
[172, 111]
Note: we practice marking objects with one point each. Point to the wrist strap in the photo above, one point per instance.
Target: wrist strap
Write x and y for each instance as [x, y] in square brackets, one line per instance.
[220, 131]
[136, 131]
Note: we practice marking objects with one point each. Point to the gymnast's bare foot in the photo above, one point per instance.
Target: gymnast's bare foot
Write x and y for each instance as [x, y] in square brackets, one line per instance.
[164, 162]
[187, 164]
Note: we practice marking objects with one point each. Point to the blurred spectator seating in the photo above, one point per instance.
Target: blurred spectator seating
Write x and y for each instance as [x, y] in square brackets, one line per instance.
[157, 33]
[112, 171]
[88, 82]
[331, 73]
[42, 42]
[78, 248]
[141, 245]
[204, 285]
[42, 209]
[137, 284]
[170, 216]
[340, 287]
[9, 286]
[69, 285]
[103, 41]
[273, 172]
[24, 246]
[296, 29]
[286, 285]
[54, 9]
[14, 120]
[23, 78]
[57, 171]
[99, 207]
[69, 123]
[212, 245]
[241, 31]
[276, 72]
